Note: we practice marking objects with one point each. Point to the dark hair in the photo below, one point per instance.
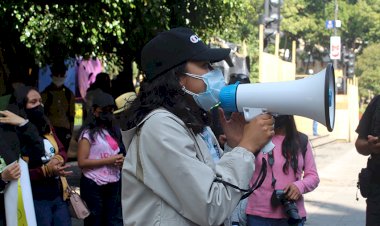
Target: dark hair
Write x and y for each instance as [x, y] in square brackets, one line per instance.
[94, 129]
[58, 68]
[165, 91]
[18, 100]
[102, 82]
[17, 104]
[291, 144]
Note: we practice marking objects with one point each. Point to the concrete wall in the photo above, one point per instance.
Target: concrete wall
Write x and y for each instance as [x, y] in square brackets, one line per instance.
[273, 69]
[353, 107]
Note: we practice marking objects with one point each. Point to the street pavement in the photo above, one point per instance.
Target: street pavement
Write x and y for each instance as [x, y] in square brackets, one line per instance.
[334, 202]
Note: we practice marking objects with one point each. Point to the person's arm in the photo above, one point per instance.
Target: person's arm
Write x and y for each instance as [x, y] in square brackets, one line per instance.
[37, 170]
[34, 145]
[55, 167]
[12, 172]
[368, 146]
[174, 172]
[84, 152]
[31, 144]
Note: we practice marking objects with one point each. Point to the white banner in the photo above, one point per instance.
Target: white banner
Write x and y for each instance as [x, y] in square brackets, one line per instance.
[335, 47]
[14, 216]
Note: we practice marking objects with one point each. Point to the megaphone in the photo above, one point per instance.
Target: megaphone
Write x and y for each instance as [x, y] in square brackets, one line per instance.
[312, 97]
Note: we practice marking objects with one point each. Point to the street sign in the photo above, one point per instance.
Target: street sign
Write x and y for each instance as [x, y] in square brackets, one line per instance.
[338, 23]
[330, 24]
[335, 47]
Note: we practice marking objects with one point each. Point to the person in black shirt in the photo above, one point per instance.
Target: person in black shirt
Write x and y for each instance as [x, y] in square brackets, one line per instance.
[366, 144]
[9, 150]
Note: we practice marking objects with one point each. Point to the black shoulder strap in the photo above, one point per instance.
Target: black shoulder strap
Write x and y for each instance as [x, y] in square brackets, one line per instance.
[260, 179]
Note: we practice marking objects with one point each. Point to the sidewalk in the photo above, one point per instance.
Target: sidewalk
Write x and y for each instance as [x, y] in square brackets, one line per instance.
[334, 200]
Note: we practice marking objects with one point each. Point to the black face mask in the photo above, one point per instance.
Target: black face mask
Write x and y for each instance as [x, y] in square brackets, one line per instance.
[105, 118]
[36, 116]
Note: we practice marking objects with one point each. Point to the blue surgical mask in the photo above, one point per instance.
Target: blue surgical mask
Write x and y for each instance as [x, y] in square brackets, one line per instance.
[214, 81]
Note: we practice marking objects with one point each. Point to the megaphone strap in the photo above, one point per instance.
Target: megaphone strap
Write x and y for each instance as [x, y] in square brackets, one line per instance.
[256, 184]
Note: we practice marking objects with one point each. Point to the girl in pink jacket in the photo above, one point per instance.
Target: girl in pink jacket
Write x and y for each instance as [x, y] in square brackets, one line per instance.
[291, 172]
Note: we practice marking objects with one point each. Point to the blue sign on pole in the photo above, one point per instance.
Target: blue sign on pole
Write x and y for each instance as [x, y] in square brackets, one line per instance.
[330, 24]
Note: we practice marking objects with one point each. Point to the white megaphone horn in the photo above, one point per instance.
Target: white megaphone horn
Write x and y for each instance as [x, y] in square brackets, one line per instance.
[311, 97]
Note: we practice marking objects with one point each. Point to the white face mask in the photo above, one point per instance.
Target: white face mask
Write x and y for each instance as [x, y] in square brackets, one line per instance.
[214, 81]
[58, 81]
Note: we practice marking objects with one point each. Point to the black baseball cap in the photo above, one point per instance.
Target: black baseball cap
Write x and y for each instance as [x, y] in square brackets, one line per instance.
[174, 47]
[102, 99]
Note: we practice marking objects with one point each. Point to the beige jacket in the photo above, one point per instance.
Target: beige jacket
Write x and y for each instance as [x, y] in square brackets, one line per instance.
[168, 176]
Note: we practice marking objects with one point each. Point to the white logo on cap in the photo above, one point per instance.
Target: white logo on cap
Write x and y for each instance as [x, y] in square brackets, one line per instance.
[194, 39]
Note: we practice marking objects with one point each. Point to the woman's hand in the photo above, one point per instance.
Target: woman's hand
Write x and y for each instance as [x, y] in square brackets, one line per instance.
[11, 118]
[12, 172]
[61, 170]
[57, 160]
[233, 128]
[292, 192]
[118, 160]
[57, 167]
[257, 132]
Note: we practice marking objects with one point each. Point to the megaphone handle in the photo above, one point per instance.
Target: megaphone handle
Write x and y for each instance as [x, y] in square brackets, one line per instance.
[249, 114]
[268, 147]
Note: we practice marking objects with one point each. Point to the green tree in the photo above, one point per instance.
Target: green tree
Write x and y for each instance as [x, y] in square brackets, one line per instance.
[244, 28]
[109, 26]
[368, 67]
[303, 19]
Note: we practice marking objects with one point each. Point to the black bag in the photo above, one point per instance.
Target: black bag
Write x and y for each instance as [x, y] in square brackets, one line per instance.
[364, 182]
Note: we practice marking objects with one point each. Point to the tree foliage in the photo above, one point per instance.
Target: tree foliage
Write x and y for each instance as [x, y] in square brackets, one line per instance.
[116, 30]
[52, 29]
[368, 68]
[303, 19]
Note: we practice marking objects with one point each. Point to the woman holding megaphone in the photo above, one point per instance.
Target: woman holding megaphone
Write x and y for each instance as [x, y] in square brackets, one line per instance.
[175, 173]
